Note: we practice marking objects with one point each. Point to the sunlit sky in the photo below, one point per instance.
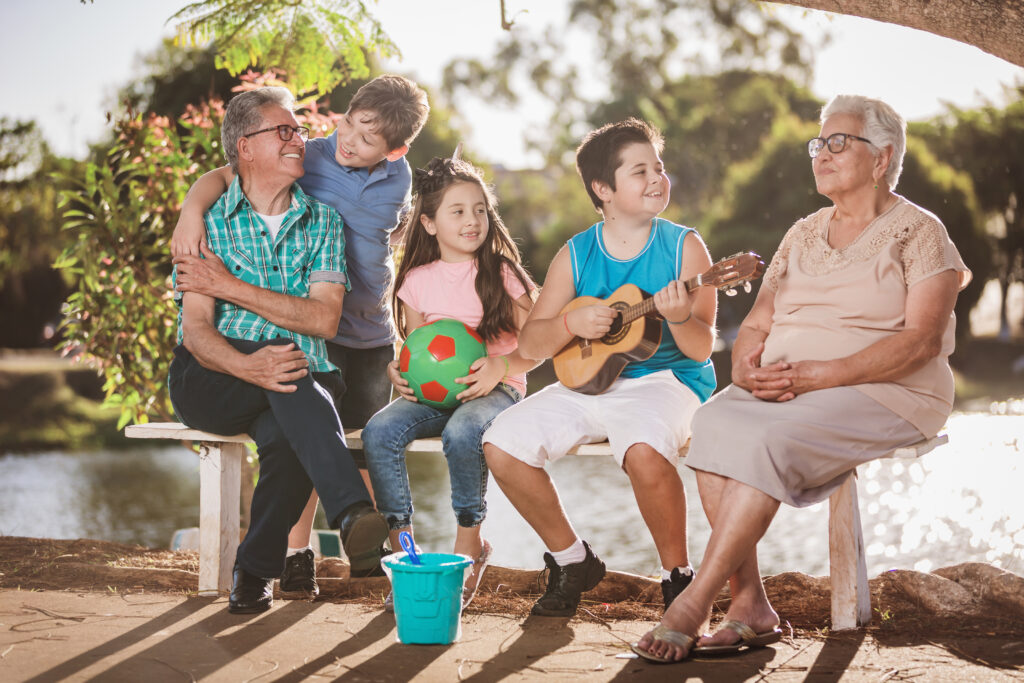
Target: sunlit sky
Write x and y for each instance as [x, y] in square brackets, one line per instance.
[61, 62]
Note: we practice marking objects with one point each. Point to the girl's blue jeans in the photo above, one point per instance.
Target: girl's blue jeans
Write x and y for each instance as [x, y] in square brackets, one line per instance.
[389, 431]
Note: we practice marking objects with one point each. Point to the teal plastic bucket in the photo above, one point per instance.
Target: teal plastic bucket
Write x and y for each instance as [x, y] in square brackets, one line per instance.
[428, 596]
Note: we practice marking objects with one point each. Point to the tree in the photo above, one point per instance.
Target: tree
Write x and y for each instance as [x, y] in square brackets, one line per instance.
[30, 290]
[640, 51]
[315, 44]
[995, 26]
[988, 143]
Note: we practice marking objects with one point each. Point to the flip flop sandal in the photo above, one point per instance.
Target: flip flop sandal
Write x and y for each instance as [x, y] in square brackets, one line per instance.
[662, 632]
[749, 639]
[469, 592]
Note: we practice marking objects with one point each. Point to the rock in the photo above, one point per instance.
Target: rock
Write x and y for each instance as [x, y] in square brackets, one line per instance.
[989, 584]
[933, 593]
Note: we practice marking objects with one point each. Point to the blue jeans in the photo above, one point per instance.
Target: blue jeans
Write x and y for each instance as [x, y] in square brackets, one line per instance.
[393, 428]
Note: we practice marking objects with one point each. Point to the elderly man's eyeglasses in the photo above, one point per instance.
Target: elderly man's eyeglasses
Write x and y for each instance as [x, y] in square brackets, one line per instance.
[284, 131]
[836, 143]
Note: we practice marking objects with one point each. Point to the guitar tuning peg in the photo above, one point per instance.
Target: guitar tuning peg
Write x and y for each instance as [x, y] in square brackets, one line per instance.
[747, 287]
[731, 291]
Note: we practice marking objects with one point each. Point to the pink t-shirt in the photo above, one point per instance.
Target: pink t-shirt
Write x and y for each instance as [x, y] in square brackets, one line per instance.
[448, 290]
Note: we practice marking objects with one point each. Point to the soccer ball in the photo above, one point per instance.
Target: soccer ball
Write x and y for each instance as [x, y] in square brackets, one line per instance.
[434, 355]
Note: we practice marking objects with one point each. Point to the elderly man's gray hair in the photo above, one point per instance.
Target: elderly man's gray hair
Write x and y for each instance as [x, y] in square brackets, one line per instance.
[245, 114]
[882, 126]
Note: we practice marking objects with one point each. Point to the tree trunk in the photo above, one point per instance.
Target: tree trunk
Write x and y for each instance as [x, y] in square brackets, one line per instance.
[995, 26]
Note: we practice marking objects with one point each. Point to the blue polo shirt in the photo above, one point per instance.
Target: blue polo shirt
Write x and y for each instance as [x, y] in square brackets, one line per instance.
[370, 204]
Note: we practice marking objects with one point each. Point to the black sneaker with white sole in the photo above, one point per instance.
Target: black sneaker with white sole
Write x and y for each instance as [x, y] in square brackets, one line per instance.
[566, 584]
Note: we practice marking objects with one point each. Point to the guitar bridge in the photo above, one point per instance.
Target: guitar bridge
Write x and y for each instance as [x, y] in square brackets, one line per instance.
[586, 349]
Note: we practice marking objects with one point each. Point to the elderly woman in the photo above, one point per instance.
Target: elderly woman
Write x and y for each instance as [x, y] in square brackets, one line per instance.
[843, 358]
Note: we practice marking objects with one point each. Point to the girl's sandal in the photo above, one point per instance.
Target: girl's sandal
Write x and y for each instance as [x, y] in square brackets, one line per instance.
[480, 564]
[663, 633]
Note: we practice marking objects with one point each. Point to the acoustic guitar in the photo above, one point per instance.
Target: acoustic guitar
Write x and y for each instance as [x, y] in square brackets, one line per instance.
[589, 366]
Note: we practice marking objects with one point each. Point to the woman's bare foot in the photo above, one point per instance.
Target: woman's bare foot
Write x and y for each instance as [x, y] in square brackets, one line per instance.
[758, 616]
[681, 617]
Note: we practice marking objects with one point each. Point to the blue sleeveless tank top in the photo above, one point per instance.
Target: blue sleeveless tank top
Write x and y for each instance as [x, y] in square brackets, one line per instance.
[598, 274]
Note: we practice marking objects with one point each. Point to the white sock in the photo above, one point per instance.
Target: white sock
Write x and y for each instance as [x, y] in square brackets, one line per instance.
[666, 574]
[296, 551]
[571, 555]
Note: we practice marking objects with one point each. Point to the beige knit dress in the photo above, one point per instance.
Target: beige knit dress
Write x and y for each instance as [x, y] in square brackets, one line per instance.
[831, 303]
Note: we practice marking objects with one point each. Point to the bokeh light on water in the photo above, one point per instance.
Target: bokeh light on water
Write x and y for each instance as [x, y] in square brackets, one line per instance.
[959, 503]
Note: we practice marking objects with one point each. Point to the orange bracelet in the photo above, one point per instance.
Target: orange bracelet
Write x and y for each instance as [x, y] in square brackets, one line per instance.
[565, 321]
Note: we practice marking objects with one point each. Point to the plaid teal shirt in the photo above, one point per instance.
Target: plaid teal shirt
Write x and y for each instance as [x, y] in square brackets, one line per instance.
[310, 247]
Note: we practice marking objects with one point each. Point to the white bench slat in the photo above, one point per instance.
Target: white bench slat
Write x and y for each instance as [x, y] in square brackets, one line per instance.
[220, 483]
[178, 431]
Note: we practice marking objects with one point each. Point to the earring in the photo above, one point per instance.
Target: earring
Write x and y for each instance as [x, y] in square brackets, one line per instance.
[876, 186]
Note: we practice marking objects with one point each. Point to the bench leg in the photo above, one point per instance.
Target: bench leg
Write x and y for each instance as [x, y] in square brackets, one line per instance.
[851, 600]
[220, 478]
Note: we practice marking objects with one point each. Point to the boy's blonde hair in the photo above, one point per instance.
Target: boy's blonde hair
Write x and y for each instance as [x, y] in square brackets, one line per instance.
[397, 106]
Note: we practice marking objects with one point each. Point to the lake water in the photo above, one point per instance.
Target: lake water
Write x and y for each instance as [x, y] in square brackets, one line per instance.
[959, 503]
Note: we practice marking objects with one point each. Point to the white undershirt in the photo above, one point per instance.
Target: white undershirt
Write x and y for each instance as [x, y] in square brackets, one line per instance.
[273, 224]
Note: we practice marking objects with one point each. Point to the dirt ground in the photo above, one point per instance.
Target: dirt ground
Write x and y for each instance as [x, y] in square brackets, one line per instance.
[92, 610]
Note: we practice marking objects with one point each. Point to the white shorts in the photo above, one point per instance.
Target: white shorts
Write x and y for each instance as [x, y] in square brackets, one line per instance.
[655, 410]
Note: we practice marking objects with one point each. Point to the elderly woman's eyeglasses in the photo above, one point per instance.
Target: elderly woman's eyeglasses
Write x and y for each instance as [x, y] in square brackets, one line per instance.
[284, 131]
[836, 143]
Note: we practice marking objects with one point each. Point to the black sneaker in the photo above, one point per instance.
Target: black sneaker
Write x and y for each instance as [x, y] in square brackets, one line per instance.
[299, 575]
[566, 584]
[675, 584]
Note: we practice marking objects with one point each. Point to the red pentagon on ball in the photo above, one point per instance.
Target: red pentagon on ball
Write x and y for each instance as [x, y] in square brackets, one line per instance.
[403, 359]
[434, 391]
[441, 347]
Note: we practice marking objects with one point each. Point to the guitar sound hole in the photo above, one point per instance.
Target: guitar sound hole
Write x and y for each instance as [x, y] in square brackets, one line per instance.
[618, 329]
[616, 326]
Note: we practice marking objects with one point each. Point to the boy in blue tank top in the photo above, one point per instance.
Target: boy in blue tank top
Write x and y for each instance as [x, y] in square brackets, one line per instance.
[645, 414]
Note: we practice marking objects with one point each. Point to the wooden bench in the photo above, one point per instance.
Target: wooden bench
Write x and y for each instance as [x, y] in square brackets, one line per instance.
[220, 471]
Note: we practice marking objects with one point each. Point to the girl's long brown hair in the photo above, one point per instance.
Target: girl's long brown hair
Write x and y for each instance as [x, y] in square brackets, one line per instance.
[497, 251]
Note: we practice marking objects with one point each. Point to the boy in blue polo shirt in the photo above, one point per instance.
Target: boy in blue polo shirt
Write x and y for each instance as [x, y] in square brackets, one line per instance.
[360, 170]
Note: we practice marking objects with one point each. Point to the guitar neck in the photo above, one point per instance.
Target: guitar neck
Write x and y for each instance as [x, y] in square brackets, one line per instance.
[646, 306]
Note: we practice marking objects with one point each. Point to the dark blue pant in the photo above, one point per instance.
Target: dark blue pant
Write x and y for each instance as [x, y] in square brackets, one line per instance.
[298, 437]
[367, 387]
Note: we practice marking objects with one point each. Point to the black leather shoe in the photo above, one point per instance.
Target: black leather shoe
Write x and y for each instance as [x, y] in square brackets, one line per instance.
[363, 531]
[299, 575]
[250, 594]
[566, 584]
[676, 584]
[375, 570]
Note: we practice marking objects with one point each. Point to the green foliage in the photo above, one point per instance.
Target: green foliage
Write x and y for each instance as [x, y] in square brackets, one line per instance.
[761, 198]
[316, 44]
[30, 290]
[949, 194]
[175, 77]
[988, 143]
[117, 223]
[641, 51]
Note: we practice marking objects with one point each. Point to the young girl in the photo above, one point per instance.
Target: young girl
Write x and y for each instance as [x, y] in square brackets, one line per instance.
[459, 262]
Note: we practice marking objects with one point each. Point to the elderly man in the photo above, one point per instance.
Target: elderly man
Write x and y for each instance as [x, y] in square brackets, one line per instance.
[254, 359]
